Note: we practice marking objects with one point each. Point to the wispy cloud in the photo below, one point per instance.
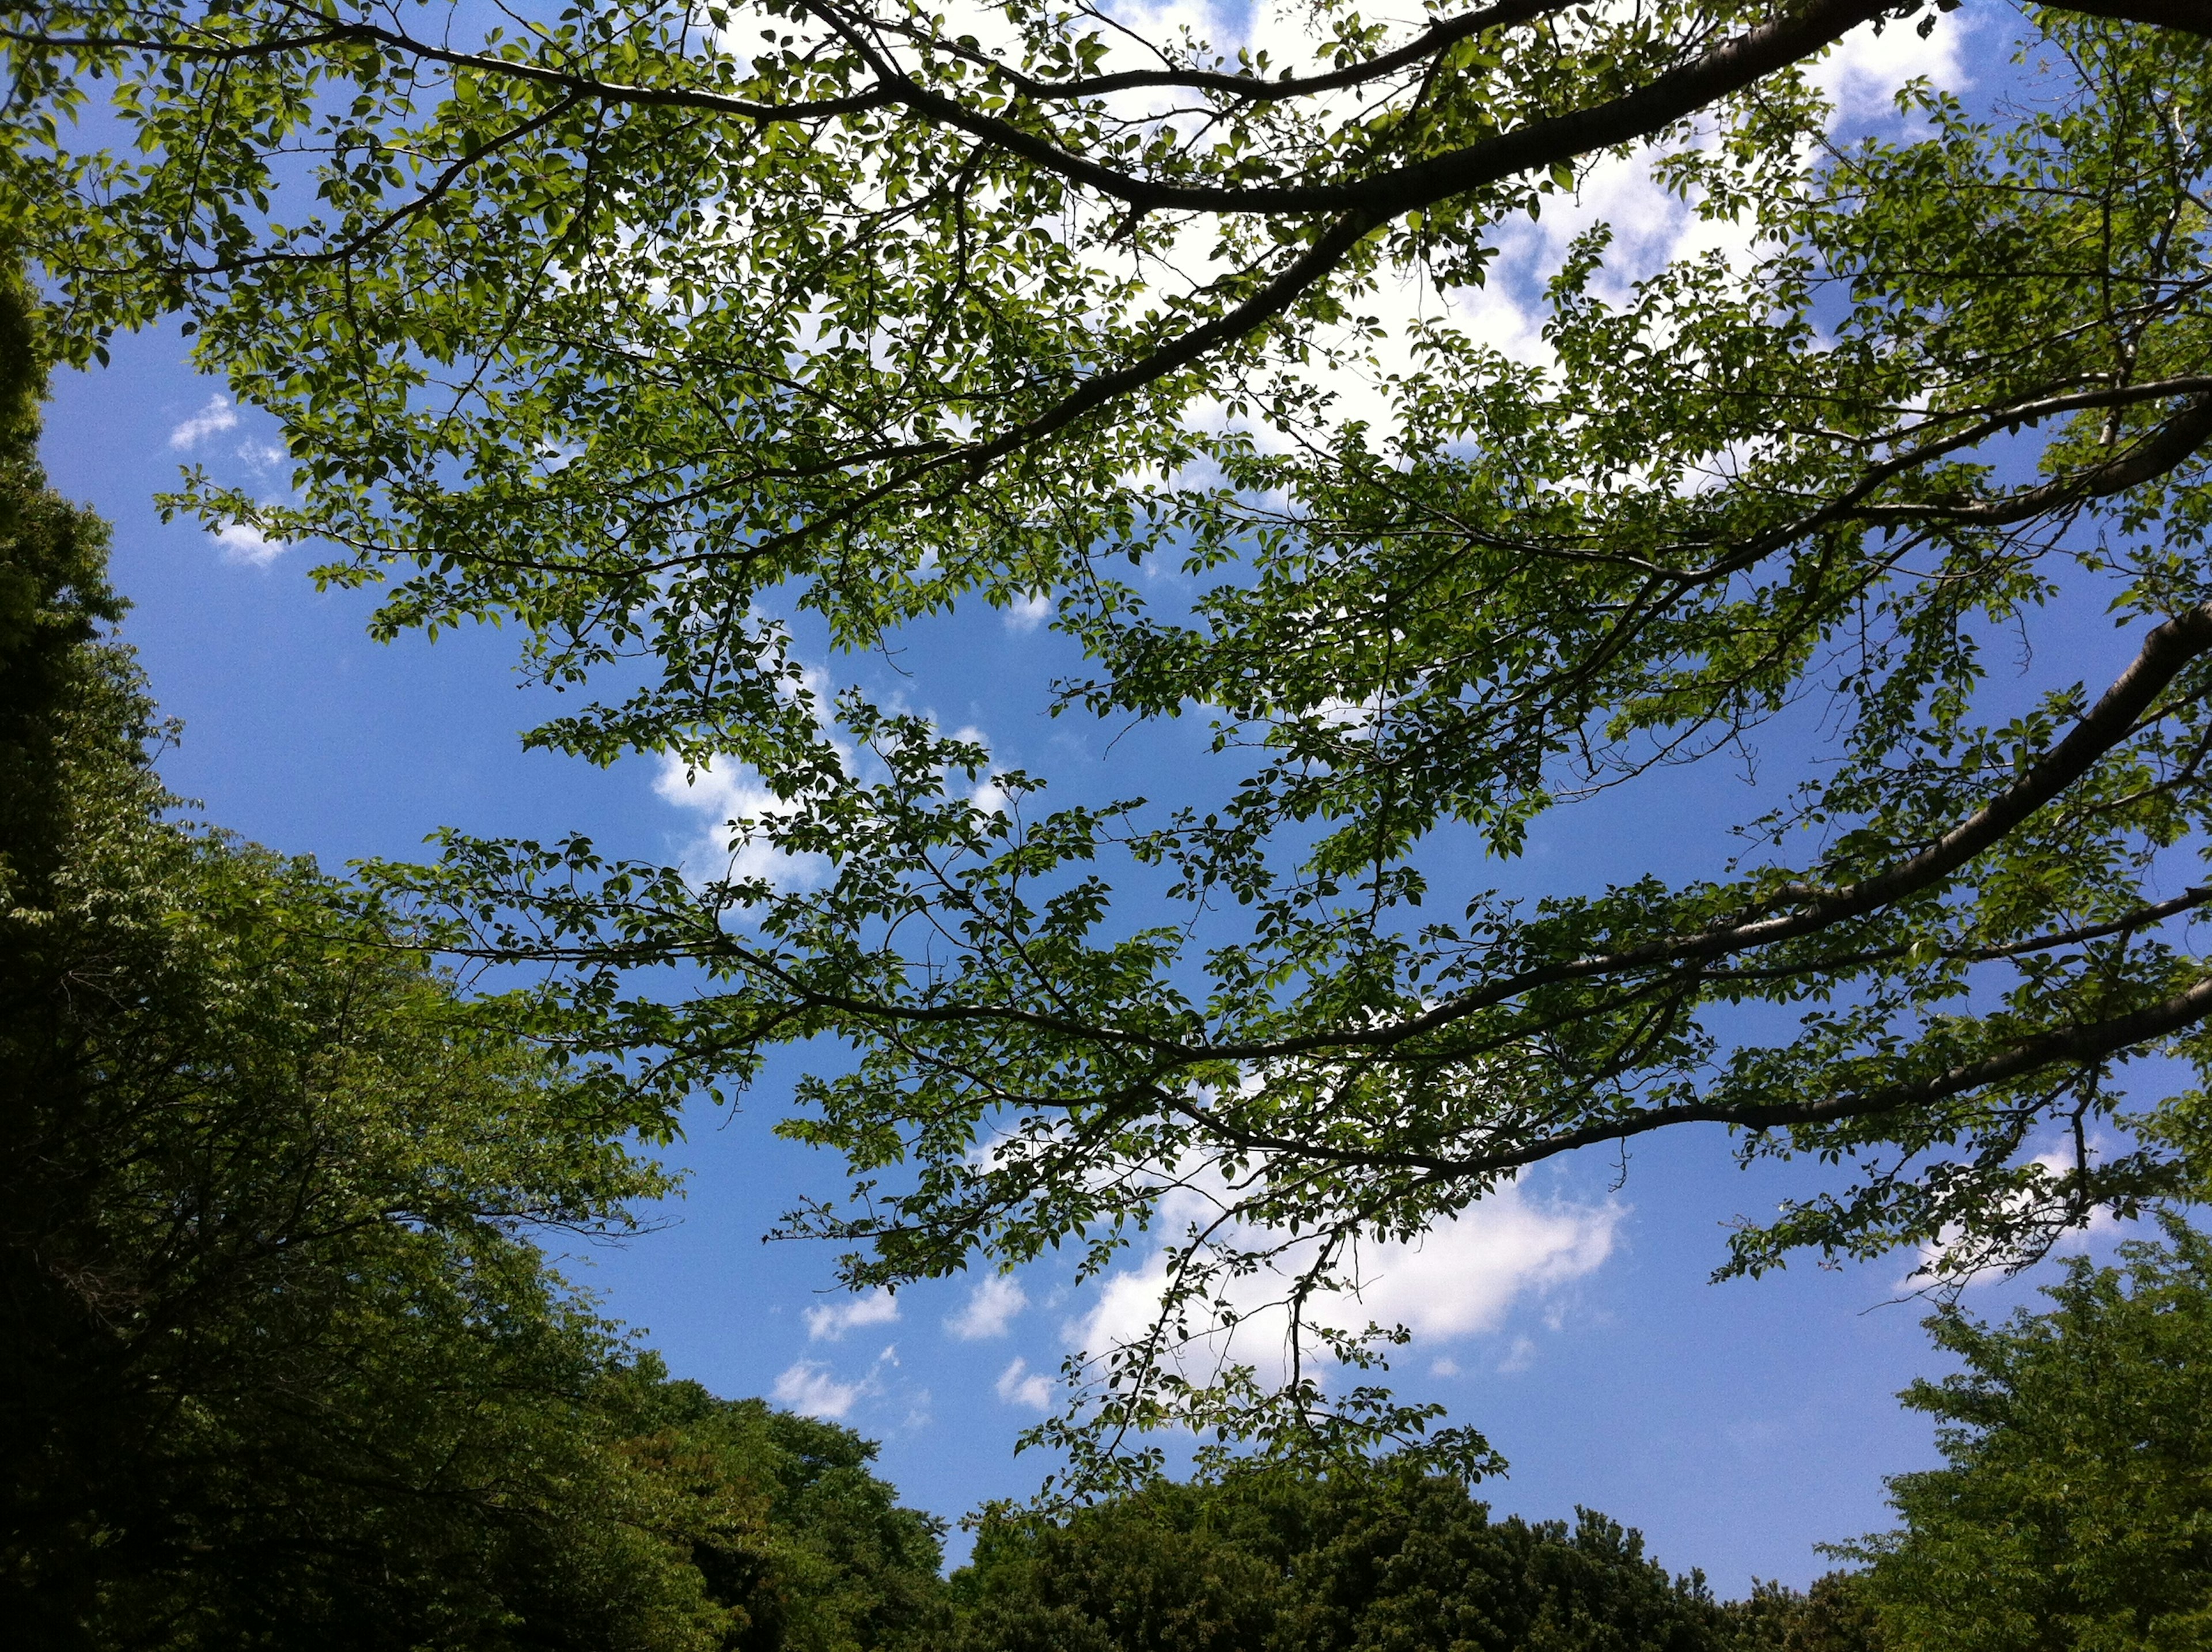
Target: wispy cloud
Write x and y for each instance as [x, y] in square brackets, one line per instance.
[829, 1322]
[218, 416]
[991, 1307]
[807, 1387]
[1020, 1386]
[242, 542]
[1460, 1280]
[725, 796]
[812, 1388]
[262, 456]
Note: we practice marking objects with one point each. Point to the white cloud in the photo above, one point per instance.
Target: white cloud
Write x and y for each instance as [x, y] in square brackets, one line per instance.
[1992, 1267]
[734, 792]
[218, 416]
[242, 542]
[1019, 1386]
[808, 1388]
[724, 796]
[262, 456]
[1029, 613]
[1463, 1276]
[1460, 1280]
[988, 796]
[829, 1322]
[1862, 73]
[991, 1307]
[1519, 1358]
[726, 791]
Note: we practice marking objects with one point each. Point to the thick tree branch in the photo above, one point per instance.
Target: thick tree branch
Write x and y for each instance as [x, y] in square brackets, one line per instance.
[2169, 446]
[2166, 651]
[1675, 95]
[2081, 1045]
[1251, 88]
[1360, 205]
[1312, 266]
[2166, 447]
[2142, 917]
[1680, 92]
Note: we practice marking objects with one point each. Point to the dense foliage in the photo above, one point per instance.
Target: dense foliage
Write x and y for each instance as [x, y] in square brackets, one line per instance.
[1367, 1561]
[2074, 1511]
[1380, 1559]
[784, 1523]
[1836, 1614]
[280, 1364]
[646, 327]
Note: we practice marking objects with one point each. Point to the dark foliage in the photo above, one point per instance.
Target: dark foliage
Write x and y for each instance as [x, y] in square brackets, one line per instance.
[1380, 1561]
[1837, 1614]
[280, 1364]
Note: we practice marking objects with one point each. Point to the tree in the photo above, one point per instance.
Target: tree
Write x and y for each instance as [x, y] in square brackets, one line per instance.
[644, 325]
[2074, 1509]
[1368, 1560]
[1837, 1614]
[785, 1523]
[277, 1359]
[280, 1361]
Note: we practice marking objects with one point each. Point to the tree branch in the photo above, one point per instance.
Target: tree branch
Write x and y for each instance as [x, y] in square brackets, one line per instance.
[1438, 35]
[2079, 1044]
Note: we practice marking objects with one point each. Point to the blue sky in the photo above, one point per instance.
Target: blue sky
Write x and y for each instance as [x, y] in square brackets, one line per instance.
[1737, 1425]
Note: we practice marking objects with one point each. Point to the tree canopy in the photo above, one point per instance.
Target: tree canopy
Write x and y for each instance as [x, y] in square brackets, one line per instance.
[1367, 1558]
[647, 327]
[2075, 1507]
[1364, 1561]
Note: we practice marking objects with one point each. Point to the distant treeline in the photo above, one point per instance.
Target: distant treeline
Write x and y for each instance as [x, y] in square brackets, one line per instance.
[1374, 1561]
[281, 1367]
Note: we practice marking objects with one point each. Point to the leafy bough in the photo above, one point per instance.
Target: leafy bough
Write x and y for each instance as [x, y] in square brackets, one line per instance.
[643, 337]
